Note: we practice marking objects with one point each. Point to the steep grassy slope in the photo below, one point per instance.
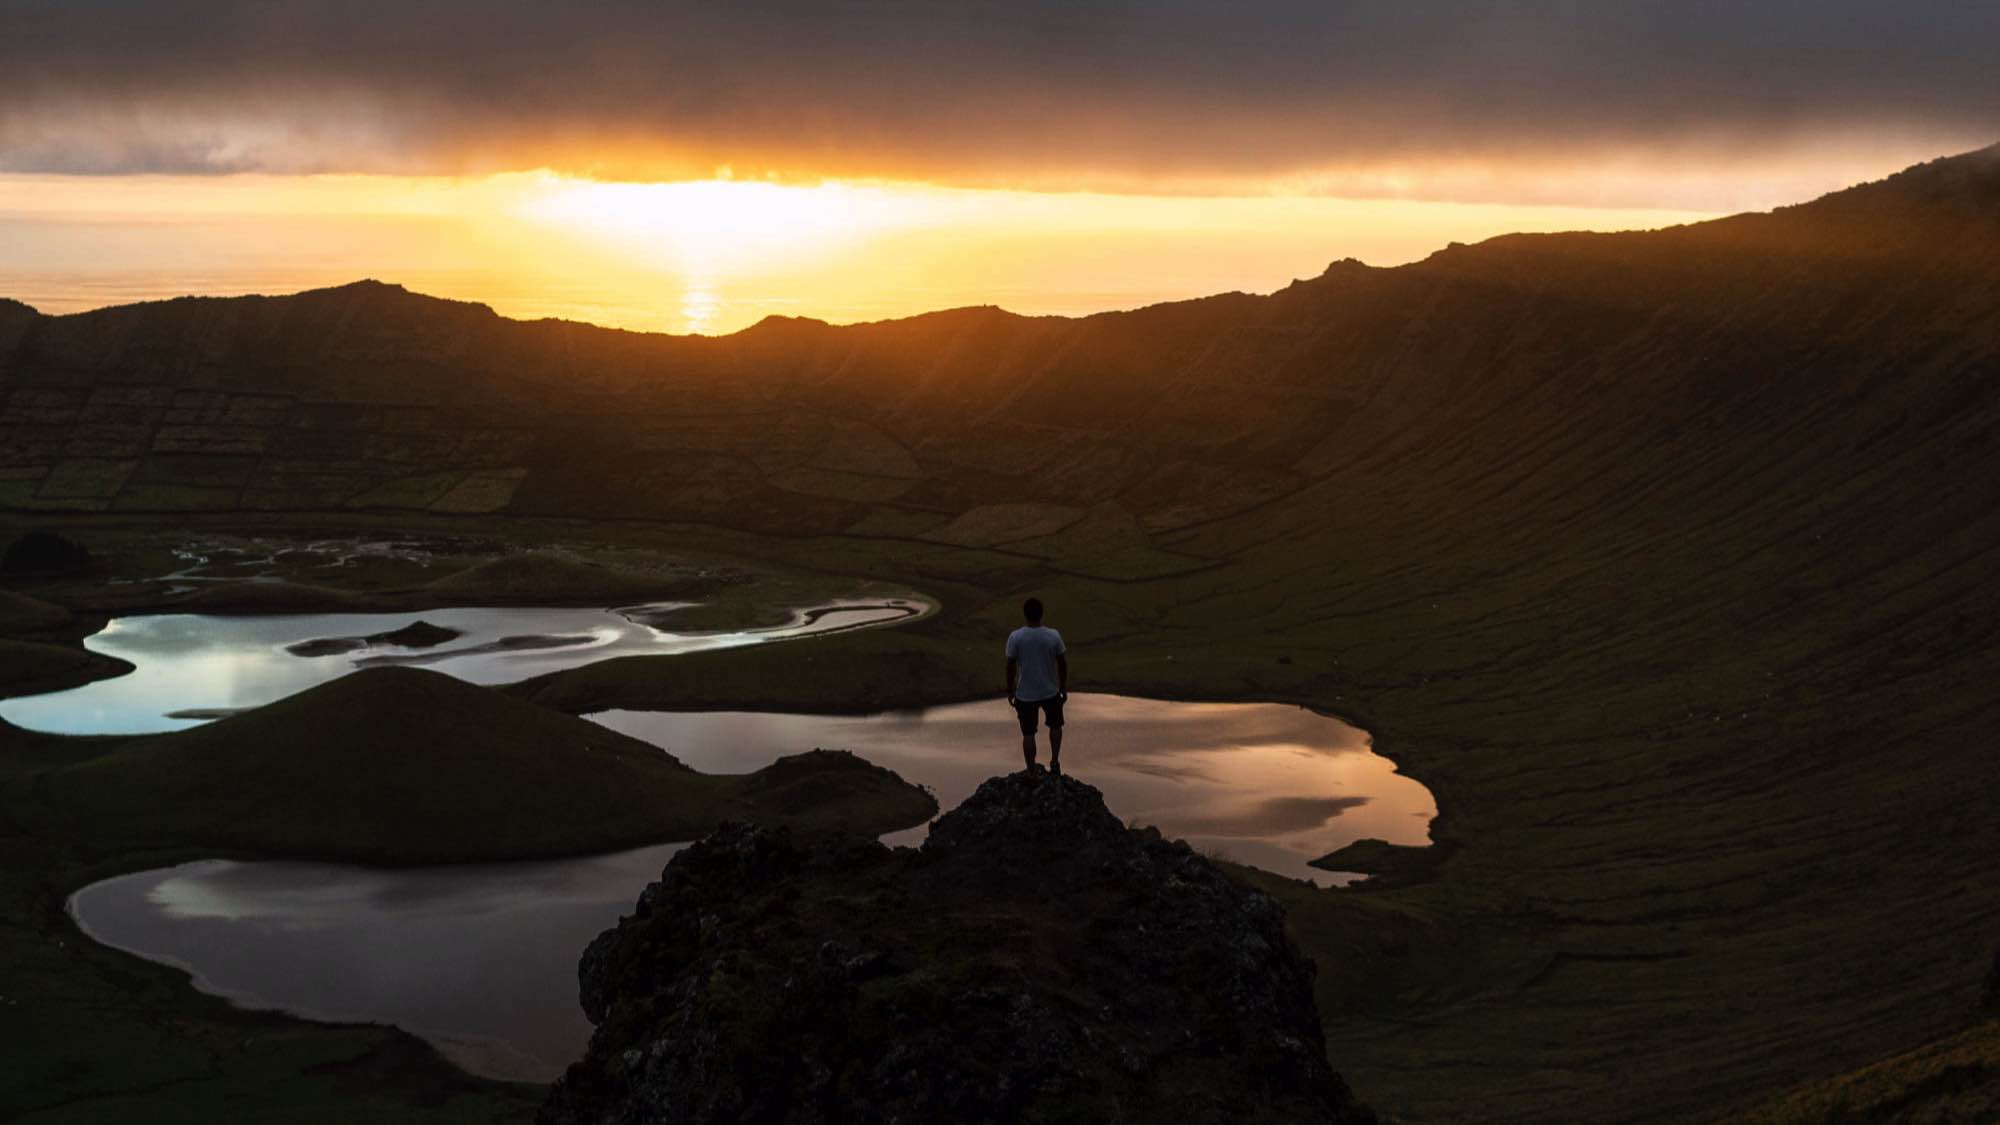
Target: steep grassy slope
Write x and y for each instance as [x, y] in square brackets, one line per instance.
[1666, 560]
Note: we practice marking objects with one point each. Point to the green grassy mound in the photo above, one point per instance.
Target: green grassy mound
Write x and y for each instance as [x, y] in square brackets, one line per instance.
[20, 613]
[401, 765]
[31, 667]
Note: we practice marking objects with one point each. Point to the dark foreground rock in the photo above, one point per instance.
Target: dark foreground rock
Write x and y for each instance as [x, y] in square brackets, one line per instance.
[1035, 961]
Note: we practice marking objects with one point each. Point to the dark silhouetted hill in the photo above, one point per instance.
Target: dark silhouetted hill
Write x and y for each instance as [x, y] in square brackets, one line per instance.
[1619, 350]
[1668, 560]
[403, 765]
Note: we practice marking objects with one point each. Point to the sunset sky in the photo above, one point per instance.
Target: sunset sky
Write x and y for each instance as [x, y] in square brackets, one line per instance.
[695, 167]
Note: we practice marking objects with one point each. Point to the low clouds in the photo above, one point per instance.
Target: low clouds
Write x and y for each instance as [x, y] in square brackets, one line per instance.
[1178, 95]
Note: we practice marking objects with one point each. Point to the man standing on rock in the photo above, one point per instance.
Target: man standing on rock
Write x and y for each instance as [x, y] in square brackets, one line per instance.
[1038, 680]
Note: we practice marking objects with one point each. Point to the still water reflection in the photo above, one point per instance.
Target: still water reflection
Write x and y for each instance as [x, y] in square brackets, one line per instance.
[189, 668]
[1261, 783]
[481, 960]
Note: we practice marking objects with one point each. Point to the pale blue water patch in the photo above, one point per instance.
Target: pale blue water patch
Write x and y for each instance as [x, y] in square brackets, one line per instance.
[189, 668]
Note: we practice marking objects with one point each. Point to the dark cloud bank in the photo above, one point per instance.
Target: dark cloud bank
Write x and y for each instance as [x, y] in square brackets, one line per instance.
[1019, 92]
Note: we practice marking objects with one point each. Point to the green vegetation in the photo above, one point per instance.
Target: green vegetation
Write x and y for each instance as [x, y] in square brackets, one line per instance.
[401, 765]
[1666, 560]
[1955, 1081]
[22, 614]
[31, 667]
[95, 1035]
[388, 765]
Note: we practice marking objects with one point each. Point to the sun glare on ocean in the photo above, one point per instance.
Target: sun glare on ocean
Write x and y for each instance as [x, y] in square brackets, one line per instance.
[710, 255]
[708, 232]
[722, 226]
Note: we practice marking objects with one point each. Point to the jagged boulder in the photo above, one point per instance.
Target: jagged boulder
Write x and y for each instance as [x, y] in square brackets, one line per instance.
[1034, 961]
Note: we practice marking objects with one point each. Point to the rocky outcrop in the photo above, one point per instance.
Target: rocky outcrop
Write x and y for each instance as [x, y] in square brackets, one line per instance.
[417, 634]
[1035, 960]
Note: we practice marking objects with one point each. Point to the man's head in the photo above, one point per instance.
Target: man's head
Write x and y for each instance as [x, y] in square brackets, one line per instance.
[1032, 610]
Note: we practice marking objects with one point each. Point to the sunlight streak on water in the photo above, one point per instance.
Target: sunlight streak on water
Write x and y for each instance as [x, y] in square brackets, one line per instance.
[206, 664]
[699, 305]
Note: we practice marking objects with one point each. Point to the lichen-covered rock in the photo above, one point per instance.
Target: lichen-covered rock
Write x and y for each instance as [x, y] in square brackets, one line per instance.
[1035, 961]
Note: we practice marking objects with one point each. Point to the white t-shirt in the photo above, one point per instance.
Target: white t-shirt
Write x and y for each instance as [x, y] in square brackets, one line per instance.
[1035, 648]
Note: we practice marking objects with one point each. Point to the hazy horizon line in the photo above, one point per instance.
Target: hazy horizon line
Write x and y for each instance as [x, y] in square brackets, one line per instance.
[987, 306]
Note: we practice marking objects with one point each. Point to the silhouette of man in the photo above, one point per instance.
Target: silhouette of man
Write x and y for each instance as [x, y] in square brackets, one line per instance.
[1038, 681]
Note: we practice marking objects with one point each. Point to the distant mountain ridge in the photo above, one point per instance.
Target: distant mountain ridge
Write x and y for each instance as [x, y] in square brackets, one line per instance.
[368, 396]
[1668, 560]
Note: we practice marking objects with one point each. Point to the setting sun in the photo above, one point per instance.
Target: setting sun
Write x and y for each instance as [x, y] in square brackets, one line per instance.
[1299, 562]
[712, 255]
[712, 228]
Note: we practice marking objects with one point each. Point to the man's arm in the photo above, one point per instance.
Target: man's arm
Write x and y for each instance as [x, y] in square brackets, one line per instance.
[1062, 674]
[1012, 666]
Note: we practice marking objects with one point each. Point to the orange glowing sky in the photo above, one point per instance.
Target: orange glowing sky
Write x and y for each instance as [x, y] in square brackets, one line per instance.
[709, 255]
[693, 167]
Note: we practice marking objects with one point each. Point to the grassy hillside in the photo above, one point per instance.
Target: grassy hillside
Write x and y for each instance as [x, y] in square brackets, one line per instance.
[403, 765]
[1087, 443]
[388, 765]
[1667, 560]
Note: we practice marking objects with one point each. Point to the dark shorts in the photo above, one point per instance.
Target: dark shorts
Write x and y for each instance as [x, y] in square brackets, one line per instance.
[1025, 711]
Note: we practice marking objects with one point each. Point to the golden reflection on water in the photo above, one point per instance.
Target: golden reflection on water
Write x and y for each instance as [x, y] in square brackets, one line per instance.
[699, 306]
[1265, 784]
[478, 959]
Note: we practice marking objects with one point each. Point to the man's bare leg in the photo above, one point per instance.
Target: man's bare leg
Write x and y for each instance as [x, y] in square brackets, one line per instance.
[1055, 749]
[1028, 749]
